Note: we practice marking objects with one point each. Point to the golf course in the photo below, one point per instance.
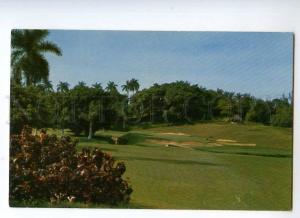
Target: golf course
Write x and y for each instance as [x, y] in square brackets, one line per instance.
[151, 120]
[205, 166]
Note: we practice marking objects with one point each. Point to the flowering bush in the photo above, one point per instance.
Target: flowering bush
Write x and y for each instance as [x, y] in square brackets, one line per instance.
[49, 168]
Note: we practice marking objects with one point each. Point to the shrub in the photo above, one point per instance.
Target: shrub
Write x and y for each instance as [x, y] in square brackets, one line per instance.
[49, 168]
[119, 140]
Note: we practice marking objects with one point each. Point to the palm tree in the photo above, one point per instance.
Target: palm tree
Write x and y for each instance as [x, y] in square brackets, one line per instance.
[63, 87]
[81, 84]
[63, 110]
[134, 85]
[111, 87]
[27, 59]
[46, 86]
[97, 86]
[127, 87]
[131, 85]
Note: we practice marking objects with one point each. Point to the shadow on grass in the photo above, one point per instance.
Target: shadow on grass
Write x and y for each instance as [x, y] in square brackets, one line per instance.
[108, 149]
[65, 204]
[96, 146]
[144, 145]
[96, 138]
[172, 161]
[245, 152]
[131, 138]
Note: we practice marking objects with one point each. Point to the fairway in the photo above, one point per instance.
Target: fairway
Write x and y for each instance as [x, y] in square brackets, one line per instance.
[205, 166]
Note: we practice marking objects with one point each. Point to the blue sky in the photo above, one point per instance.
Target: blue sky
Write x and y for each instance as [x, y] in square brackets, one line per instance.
[257, 63]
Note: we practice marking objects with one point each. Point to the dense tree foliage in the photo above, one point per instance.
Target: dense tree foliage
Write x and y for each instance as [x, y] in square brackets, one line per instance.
[86, 109]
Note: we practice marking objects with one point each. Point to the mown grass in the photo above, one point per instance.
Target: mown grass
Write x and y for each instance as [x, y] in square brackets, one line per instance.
[202, 176]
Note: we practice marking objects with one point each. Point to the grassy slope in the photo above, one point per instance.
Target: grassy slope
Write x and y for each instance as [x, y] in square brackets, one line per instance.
[227, 177]
[171, 177]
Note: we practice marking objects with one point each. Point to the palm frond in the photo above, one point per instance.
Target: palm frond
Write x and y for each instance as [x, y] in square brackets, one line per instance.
[36, 35]
[16, 38]
[48, 46]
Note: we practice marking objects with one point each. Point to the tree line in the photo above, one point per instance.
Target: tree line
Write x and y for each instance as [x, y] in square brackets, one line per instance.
[86, 109]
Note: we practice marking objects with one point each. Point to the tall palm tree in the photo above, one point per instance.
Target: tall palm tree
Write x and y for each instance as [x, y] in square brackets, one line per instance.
[134, 85]
[63, 105]
[27, 58]
[131, 86]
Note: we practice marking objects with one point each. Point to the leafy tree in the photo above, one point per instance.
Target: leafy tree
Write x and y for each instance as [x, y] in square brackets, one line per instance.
[245, 102]
[283, 116]
[87, 105]
[259, 112]
[79, 103]
[282, 112]
[29, 106]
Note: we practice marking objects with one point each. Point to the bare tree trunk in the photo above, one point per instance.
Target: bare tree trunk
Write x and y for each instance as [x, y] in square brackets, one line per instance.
[124, 123]
[90, 130]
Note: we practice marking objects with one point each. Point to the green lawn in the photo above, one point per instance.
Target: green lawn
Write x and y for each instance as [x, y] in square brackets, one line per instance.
[196, 171]
[202, 166]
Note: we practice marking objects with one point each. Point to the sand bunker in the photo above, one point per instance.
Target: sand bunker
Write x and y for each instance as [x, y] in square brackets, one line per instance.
[169, 143]
[233, 142]
[192, 144]
[242, 144]
[213, 144]
[225, 140]
[175, 133]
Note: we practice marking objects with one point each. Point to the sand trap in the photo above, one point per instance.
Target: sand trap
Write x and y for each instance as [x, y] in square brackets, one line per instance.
[174, 133]
[225, 140]
[169, 143]
[243, 144]
[213, 144]
[192, 144]
[233, 142]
